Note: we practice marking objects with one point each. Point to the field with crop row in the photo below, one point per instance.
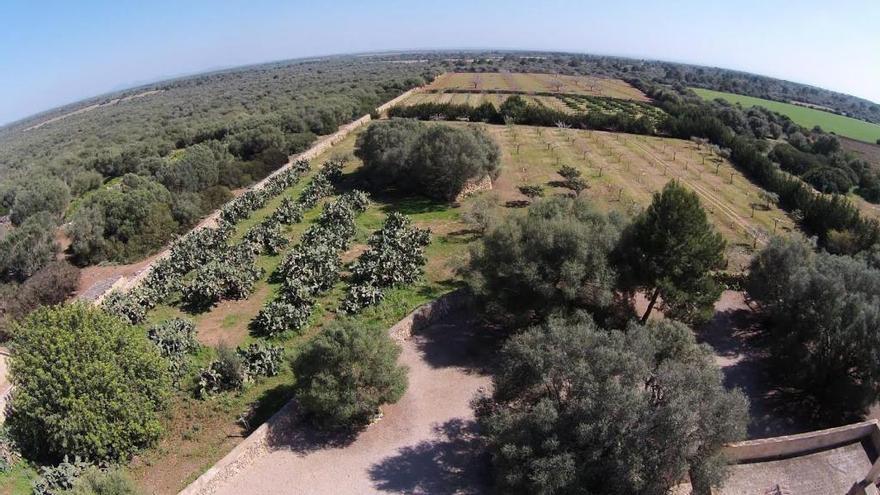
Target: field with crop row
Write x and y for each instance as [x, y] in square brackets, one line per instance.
[200, 432]
[537, 83]
[807, 117]
[625, 170]
[564, 103]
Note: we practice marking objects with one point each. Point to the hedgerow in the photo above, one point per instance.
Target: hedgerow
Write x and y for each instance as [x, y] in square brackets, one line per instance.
[396, 257]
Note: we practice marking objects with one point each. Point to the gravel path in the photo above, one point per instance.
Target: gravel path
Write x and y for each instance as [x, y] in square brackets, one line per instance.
[424, 444]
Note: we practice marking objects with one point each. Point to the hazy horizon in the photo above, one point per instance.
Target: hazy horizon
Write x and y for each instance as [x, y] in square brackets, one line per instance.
[61, 53]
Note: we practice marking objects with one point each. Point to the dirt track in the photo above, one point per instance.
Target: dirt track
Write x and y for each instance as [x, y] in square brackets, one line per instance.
[423, 444]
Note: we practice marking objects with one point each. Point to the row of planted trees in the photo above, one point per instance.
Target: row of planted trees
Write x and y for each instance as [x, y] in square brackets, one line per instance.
[204, 268]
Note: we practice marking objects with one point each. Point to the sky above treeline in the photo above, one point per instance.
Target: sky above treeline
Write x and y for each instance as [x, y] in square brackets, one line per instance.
[55, 52]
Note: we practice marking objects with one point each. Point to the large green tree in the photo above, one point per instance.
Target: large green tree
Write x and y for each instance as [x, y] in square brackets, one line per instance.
[577, 409]
[345, 373]
[823, 314]
[552, 257]
[430, 160]
[669, 251]
[86, 384]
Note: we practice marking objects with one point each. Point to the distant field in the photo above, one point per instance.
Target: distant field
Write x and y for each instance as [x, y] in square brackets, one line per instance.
[807, 117]
[567, 103]
[537, 83]
[624, 170]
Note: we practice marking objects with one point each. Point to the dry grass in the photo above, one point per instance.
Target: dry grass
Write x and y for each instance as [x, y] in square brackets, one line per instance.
[537, 83]
[625, 170]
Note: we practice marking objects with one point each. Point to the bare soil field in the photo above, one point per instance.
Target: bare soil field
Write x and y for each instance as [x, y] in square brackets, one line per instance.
[537, 83]
[424, 444]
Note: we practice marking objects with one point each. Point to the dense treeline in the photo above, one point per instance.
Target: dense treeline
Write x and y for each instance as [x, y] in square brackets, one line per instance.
[822, 314]
[832, 218]
[126, 178]
[516, 110]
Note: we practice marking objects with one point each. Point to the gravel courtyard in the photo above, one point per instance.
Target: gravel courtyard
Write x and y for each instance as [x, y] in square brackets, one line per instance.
[423, 444]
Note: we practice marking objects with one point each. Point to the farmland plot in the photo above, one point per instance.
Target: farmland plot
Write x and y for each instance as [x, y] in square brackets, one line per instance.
[624, 170]
[537, 83]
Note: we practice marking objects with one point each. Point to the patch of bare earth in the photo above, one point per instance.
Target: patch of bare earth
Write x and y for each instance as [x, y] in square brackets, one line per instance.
[227, 323]
[424, 444]
[732, 334]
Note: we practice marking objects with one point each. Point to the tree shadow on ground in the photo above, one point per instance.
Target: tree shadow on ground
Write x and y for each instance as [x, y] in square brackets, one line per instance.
[292, 431]
[735, 336]
[453, 462]
[459, 340]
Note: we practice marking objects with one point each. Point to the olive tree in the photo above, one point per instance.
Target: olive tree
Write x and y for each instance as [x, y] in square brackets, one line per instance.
[822, 315]
[554, 256]
[578, 409]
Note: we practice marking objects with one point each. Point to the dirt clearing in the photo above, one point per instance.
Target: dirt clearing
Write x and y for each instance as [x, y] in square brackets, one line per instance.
[423, 444]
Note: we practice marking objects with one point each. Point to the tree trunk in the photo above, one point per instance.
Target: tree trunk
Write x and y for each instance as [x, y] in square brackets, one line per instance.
[651, 305]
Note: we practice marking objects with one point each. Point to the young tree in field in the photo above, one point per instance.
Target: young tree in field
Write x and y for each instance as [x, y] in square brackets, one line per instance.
[554, 257]
[86, 384]
[578, 409]
[822, 316]
[345, 373]
[670, 250]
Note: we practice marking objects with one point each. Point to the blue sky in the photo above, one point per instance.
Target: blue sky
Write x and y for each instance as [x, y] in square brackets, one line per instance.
[56, 52]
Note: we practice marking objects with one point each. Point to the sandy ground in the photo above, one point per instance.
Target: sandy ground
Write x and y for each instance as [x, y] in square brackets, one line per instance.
[424, 444]
[731, 333]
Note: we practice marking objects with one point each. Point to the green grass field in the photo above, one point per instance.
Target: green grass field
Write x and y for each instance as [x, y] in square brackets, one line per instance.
[807, 117]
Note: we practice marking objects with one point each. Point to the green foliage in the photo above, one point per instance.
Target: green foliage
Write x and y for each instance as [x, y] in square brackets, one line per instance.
[175, 338]
[532, 192]
[280, 316]
[260, 359]
[435, 161]
[233, 368]
[671, 249]
[87, 385]
[230, 277]
[822, 315]
[225, 373]
[513, 109]
[125, 306]
[553, 257]
[57, 480]
[577, 409]
[126, 221]
[345, 373]
[44, 194]
[26, 249]
[396, 257]
[95, 481]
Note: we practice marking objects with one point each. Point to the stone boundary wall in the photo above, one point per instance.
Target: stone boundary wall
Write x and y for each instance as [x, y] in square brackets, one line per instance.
[803, 443]
[259, 442]
[323, 144]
